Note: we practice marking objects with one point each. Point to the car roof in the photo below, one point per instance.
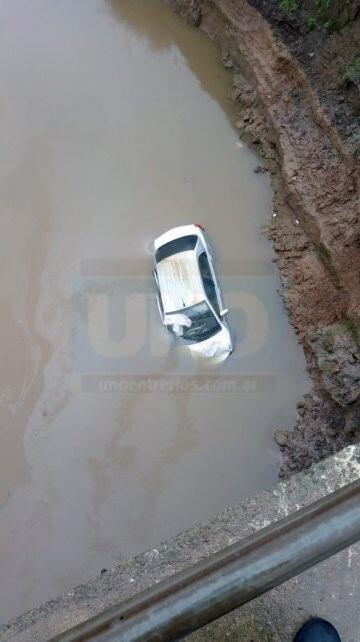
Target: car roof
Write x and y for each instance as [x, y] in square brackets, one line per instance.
[180, 281]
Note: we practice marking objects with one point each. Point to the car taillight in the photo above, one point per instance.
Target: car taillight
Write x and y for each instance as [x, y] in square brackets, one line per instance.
[200, 226]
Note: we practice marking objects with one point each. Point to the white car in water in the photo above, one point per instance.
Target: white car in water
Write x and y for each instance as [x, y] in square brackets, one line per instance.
[188, 294]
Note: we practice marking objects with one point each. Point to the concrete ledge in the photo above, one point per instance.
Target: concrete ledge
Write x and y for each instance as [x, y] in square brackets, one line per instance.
[330, 590]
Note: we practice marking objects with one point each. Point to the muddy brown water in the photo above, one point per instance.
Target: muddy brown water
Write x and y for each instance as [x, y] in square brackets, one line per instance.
[116, 125]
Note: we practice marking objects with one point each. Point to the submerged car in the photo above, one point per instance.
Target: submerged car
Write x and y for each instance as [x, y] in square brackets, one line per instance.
[188, 294]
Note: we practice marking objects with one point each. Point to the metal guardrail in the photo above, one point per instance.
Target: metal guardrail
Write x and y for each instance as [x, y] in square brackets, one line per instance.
[194, 597]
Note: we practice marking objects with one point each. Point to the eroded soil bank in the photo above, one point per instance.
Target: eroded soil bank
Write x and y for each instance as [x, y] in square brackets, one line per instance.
[300, 109]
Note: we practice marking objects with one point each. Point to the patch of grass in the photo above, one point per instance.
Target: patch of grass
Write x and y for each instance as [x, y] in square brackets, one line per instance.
[323, 5]
[311, 23]
[332, 25]
[290, 6]
[331, 15]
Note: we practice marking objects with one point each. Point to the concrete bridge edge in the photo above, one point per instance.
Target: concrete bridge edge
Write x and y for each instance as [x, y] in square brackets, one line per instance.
[330, 590]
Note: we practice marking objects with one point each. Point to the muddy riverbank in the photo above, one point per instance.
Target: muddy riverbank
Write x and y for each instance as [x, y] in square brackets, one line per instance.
[308, 140]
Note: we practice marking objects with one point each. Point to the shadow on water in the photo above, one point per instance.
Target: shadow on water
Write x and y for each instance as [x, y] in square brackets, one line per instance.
[162, 29]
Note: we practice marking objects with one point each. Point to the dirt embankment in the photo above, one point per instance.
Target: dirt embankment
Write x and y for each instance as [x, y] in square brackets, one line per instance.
[290, 111]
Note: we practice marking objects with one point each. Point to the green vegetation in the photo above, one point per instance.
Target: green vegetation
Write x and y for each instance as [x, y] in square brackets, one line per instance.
[326, 14]
[323, 5]
[311, 23]
[331, 15]
[290, 6]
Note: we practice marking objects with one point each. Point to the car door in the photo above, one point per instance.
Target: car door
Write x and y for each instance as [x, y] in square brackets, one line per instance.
[209, 281]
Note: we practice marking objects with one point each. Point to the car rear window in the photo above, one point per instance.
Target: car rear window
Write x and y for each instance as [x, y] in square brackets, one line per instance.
[183, 244]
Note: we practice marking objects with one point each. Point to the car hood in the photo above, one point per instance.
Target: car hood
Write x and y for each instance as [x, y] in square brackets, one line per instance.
[217, 347]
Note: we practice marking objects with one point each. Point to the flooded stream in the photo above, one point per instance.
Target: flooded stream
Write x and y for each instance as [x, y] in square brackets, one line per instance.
[115, 126]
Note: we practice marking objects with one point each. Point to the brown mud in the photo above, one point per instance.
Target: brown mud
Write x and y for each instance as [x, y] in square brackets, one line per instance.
[308, 137]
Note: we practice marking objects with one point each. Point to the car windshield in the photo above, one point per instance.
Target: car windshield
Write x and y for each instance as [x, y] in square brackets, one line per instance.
[203, 323]
[182, 244]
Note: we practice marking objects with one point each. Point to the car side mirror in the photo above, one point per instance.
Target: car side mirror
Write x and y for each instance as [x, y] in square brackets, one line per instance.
[223, 313]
